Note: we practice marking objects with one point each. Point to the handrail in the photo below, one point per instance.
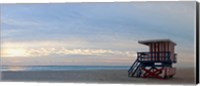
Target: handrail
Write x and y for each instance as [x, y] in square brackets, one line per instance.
[153, 56]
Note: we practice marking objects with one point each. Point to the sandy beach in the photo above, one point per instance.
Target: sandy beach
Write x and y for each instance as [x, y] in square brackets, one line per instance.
[183, 76]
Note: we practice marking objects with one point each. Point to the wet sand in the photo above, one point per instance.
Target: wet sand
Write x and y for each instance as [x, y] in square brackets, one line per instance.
[183, 76]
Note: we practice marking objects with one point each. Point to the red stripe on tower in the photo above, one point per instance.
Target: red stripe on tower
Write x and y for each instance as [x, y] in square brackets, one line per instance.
[154, 51]
[151, 51]
[170, 49]
[158, 54]
[162, 50]
[167, 47]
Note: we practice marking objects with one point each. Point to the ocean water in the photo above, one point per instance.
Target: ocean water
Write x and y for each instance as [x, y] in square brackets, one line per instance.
[60, 68]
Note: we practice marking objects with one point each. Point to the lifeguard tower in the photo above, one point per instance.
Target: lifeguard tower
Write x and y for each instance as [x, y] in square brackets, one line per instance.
[157, 63]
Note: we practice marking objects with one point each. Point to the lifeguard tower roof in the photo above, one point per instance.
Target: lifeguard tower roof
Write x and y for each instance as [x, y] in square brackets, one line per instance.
[147, 42]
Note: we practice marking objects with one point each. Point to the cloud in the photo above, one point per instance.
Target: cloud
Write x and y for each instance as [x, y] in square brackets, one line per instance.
[16, 52]
[56, 48]
[63, 51]
[70, 43]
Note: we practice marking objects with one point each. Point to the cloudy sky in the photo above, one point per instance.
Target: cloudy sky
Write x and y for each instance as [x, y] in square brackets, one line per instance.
[93, 33]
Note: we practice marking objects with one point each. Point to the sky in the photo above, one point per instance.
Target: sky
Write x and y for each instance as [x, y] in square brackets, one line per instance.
[93, 33]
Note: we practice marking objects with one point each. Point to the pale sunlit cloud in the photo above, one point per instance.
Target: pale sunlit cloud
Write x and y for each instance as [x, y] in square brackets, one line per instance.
[44, 44]
[20, 52]
[71, 47]
[48, 48]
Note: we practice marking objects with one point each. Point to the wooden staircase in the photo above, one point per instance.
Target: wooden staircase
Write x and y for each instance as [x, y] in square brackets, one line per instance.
[135, 70]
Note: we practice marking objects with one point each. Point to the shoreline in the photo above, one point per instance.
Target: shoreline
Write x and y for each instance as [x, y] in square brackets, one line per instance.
[183, 76]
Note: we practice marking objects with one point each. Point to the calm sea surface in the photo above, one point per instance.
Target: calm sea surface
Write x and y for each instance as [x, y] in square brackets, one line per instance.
[60, 68]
